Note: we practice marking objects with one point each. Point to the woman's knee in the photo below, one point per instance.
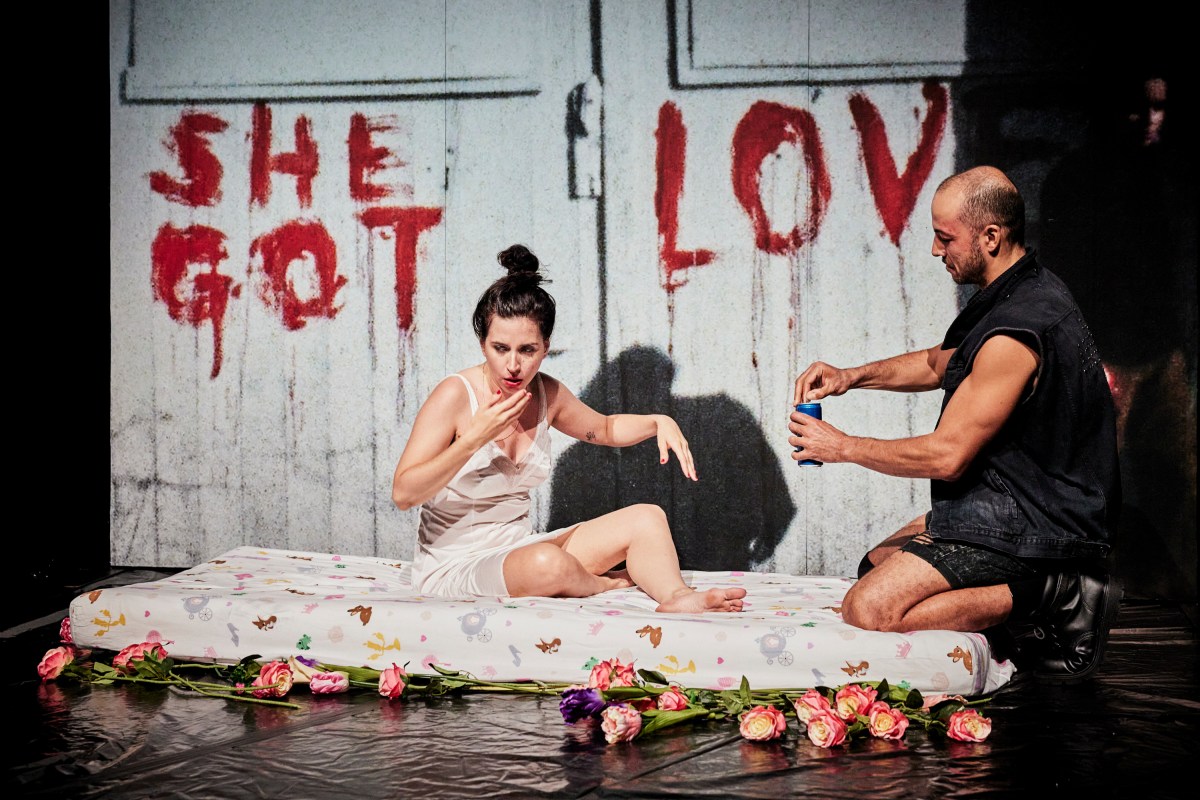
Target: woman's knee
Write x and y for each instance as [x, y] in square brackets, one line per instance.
[648, 516]
[542, 568]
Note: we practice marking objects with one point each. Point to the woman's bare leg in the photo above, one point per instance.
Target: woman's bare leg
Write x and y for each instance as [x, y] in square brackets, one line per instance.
[545, 569]
[640, 536]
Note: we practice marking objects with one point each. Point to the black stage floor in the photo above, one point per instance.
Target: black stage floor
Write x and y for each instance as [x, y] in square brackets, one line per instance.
[1133, 731]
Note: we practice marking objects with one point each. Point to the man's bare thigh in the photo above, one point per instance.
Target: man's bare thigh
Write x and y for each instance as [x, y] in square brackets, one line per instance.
[902, 581]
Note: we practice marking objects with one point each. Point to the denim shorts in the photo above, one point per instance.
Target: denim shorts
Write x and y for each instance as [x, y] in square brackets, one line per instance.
[965, 565]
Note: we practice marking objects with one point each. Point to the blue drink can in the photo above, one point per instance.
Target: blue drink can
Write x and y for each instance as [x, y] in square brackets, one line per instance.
[812, 410]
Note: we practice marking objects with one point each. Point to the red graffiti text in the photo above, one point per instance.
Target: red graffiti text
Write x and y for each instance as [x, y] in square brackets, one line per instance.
[294, 265]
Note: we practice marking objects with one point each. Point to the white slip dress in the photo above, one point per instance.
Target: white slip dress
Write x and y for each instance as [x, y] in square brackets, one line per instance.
[470, 526]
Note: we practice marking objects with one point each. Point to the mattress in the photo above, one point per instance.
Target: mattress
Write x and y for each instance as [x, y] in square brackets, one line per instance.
[362, 611]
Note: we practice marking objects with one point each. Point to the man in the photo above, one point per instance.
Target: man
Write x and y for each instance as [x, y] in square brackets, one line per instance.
[1023, 468]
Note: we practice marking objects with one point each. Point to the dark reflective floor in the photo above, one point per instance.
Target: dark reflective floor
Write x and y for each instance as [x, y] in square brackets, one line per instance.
[1131, 732]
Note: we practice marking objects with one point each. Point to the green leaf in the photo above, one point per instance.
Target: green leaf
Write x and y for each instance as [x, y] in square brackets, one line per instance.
[245, 670]
[451, 672]
[745, 691]
[626, 692]
[364, 674]
[732, 703]
[656, 720]
[943, 710]
[653, 676]
[148, 668]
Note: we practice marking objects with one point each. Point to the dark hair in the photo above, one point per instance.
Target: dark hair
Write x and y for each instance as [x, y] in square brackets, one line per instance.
[517, 294]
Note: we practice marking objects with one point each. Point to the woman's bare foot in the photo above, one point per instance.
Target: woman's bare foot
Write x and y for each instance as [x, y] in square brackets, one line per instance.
[621, 576]
[616, 579]
[692, 601]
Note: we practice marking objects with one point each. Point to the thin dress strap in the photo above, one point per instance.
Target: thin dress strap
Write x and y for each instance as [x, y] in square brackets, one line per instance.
[470, 393]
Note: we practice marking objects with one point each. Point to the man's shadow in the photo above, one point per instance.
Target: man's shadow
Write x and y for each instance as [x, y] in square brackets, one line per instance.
[732, 518]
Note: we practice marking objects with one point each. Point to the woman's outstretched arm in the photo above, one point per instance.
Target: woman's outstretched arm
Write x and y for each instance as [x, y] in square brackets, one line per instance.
[575, 418]
[434, 452]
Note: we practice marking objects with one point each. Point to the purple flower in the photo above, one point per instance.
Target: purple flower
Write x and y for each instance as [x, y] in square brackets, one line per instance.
[580, 702]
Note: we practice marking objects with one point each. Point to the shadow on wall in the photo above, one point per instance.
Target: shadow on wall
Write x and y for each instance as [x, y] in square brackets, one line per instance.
[732, 518]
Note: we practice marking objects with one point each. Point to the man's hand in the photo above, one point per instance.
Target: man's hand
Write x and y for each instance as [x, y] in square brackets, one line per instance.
[819, 440]
[820, 380]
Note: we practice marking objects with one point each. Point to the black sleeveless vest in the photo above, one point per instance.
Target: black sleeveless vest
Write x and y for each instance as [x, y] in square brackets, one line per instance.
[1048, 484]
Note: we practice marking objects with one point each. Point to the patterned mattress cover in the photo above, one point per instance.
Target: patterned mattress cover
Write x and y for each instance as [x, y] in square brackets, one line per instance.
[361, 611]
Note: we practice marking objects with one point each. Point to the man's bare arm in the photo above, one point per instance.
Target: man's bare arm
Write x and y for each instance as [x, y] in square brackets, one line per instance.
[918, 371]
[1003, 368]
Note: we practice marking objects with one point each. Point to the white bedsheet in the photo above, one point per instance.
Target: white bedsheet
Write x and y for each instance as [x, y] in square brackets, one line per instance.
[361, 611]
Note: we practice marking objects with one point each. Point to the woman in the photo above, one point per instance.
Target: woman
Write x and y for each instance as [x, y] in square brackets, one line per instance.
[481, 442]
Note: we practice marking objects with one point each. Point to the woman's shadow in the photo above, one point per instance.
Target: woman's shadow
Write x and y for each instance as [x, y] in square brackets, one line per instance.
[736, 514]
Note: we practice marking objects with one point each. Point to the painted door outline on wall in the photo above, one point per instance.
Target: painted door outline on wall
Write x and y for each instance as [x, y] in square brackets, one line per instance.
[337, 249]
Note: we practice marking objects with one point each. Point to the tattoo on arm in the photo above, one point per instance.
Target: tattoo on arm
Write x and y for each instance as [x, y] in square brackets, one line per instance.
[591, 436]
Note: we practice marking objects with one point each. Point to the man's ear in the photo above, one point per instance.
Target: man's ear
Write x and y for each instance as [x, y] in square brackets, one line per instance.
[990, 238]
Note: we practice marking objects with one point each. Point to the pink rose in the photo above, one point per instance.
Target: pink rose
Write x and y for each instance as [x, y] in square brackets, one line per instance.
[600, 676]
[329, 682]
[64, 631]
[620, 723]
[672, 700]
[391, 682]
[885, 722]
[124, 660]
[643, 704]
[852, 700]
[968, 725]
[811, 702]
[623, 674]
[272, 673]
[611, 673]
[54, 662]
[930, 700]
[763, 723]
[826, 729]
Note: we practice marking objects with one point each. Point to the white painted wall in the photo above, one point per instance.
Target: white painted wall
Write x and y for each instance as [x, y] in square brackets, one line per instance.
[292, 444]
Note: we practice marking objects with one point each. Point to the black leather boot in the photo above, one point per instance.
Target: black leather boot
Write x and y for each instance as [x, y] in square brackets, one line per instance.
[1069, 631]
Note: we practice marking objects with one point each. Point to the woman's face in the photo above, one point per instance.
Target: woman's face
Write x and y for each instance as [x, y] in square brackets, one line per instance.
[513, 352]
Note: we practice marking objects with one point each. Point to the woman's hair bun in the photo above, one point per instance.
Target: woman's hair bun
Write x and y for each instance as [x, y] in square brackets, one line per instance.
[517, 259]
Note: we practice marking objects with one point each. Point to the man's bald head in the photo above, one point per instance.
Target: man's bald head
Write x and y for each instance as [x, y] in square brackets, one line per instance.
[988, 197]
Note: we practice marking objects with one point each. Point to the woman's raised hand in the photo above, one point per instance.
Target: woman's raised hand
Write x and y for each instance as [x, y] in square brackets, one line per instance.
[670, 437]
[496, 415]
